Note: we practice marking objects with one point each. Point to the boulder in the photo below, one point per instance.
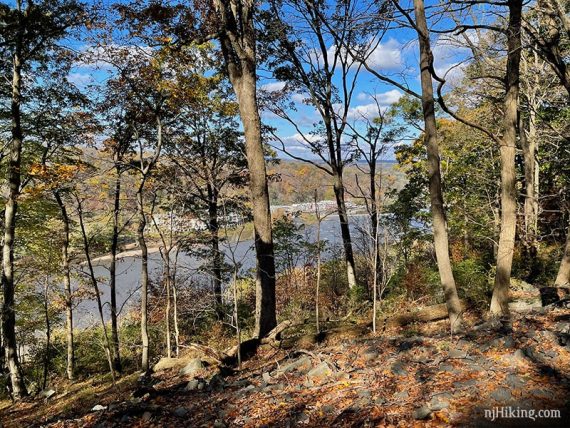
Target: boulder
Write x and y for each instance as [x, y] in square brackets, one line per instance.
[192, 367]
[302, 364]
[320, 372]
[98, 408]
[421, 413]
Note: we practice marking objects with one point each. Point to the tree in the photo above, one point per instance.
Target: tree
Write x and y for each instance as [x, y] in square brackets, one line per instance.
[439, 222]
[303, 59]
[500, 299]
[30, 34]
[210, 154]
[235, 20]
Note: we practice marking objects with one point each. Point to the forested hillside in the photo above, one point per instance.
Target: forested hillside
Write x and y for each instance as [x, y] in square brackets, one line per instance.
[285, 213]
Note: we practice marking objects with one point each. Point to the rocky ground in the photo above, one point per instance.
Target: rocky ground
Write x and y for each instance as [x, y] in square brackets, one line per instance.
[407, 377]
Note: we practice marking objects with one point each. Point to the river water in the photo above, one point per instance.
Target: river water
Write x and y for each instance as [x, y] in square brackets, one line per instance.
[129, 265]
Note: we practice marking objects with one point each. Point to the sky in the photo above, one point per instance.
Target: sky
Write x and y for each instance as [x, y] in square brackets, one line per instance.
[395, 56]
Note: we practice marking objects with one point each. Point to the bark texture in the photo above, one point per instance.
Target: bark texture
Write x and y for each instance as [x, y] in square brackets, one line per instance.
[440, 236]
[563, 277]
[113, 268]
[500, 299]
[70, 368]
[14, 179]
[237, 40]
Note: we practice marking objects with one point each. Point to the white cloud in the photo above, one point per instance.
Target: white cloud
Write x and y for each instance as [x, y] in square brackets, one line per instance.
[299, 98]
[80, 79]
[386, 56]
[273, 86]
[370, 110]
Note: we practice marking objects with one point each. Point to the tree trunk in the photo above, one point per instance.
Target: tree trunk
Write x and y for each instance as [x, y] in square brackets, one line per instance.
[167, 285]
[563, 277]
[440, 237]
[339, 193]
[48, 334]
[144, 276]
[237, 41]
[175, 304]
[113, 269]
[67, 287]
[500, 299]
[8, 312]
[95, 284]
[213, 228]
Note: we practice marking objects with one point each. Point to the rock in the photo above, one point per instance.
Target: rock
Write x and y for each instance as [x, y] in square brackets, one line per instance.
[515, 381]
[447, 368]
[327, 409]
[192, 385]
[192, 367]
[302, 364]
[421, 413]
[465, 384]
[439, 401]
[370, 355]
[47, 393]
[98, 408]
[519, 355]
[403, 395]
[501, 394]
[146, 416]
[219, 424]
[398, 369]
[180, 412]
[456, 353]
[302, 418]
[216, 382]
[125, 419]
[365, 393]
[275, 387]
[266, 377]
[542, 393]
[321, 371]
[509, 342]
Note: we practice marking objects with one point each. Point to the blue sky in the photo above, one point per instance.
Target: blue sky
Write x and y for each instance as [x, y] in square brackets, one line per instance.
[395, 56]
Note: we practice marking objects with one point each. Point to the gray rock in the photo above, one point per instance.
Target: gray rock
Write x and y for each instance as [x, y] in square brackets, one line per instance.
[302, 365]
[275, 387]
[370, 355]
[47, 393]
[192, 385]
[501, 394]
[219, 424]
[146, 416]
[398, 368]
[439, 401]
[321, 371]
[302, 418]
[328, 409]
[365, 393]
[542, 393]
[515, 381]
[266, 377]
[519, 355]
[216, 382]
[403, 395]
[181, 412]
[456, 353]
[465, 384]
[380, 401]
[98, 408]
[509, 342]
[421, 413]
[447, 368]
[193, 366]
